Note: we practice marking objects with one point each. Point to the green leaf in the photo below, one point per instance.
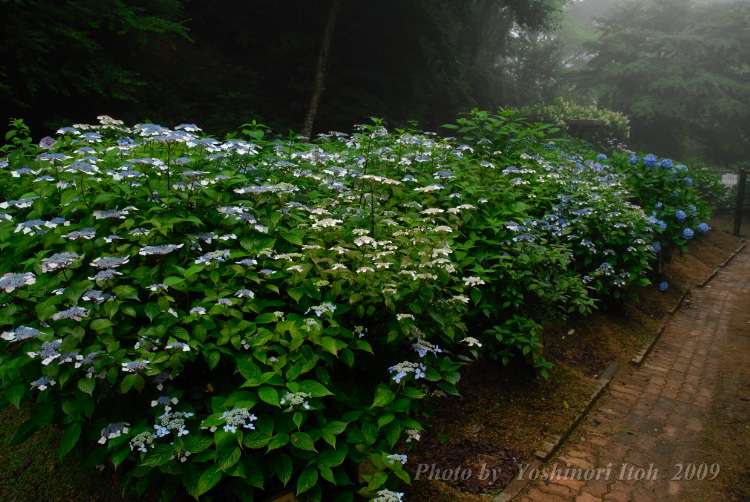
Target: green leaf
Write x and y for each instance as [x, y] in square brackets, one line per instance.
[161, 454]
[331, 458]
[228, 457]
[173, 280]
[269, 395]
[315, 389]
[250, 371]
[87, 385]
[307, 479]
[70, 438]
[196, 444]
[302, 441]
[293, 237]
[278, 441]
[282, 464]
[125, 292]
[210, 478]
[383, 396]
[14, 394]
[256, 440]
[332, 345]
[266, 318]
[152, 310]
[100, 324]
[24, 432]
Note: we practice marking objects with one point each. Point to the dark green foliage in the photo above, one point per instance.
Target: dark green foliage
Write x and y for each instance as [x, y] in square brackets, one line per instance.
[679, 71]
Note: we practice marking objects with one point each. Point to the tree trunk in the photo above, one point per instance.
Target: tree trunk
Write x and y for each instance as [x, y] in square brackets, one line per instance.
[320, 69]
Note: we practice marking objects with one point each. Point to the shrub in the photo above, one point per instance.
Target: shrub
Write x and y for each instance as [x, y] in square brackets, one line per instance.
[242, 315]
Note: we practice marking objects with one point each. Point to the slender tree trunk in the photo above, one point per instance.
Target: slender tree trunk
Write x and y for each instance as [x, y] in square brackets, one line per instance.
[320, 69]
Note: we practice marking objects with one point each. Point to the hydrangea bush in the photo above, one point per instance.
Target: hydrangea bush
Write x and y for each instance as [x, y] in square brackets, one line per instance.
[242, 315]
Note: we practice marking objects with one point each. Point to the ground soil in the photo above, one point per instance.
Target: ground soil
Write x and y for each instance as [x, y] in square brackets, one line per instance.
[504, 414]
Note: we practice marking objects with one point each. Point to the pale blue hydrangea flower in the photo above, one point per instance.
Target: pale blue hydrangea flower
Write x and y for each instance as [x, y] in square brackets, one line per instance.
[11, 281]
[238, 417]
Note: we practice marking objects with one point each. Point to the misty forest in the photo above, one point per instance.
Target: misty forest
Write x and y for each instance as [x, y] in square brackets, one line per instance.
[677, 69]
[253, 249]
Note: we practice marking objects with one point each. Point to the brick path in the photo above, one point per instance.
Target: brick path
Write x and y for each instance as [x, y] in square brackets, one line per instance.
[651, 419]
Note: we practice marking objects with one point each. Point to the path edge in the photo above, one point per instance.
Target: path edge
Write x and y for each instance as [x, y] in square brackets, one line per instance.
[517, 485]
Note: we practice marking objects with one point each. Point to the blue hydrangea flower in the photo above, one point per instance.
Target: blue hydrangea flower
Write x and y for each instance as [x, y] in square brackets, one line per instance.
[656, 246]
[680, 214]
[703, 227]
[601, 156]
[681, 167]
[687, 234]
[688, 181]
[634, 159]
[663, 286]
[659, 205]
[666, 163]
[650, 160]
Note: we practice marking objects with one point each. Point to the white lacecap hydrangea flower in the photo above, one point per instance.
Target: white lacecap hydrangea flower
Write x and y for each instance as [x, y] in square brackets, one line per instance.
[59, 261]
[401, 317]
[135, 366]
[20, 333]
[158, 287]
[43, 383]
[224, 301]
[213, 257]
[142, 442]
[48, 352]
[10, 282]
[395, 457]
[326, 307]
[404, 368]
[388, 496]
[172, 421]
[423, 347]
[296, 399]
[471, 341]
[113, 430]
[105, 275]
[238, 417]
[75, 313]
[198, 310]
[412, 435]
[159, 250]
[179, 345]
[473, 281]
[109, 262]
[244, 293]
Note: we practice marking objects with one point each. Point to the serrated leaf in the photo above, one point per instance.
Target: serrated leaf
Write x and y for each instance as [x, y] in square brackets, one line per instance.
[160, 454]
[229, 457]
[383, 396]
[87, 385]
[307, 479]
[293, 237]
[209, 478]
[125, 292]
[315, 389]
[14, 394]
[302, 441]
[269, 395]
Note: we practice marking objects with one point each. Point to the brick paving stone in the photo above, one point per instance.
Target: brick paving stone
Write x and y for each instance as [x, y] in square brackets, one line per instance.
[650, 417]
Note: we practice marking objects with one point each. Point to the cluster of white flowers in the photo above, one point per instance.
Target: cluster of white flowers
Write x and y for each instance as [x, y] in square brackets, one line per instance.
[296, 399]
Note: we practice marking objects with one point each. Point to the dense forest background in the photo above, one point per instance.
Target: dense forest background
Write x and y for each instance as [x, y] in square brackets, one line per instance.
[680, 70]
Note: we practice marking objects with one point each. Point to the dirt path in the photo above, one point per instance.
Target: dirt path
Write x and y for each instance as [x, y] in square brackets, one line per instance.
[677, 428]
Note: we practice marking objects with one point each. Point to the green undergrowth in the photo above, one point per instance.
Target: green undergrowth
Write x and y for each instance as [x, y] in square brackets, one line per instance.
[230, 318]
